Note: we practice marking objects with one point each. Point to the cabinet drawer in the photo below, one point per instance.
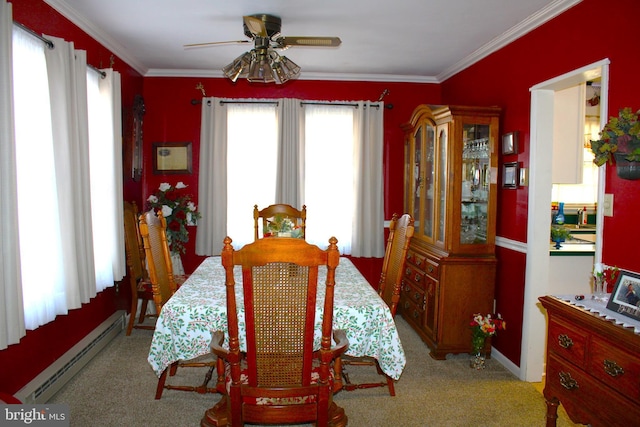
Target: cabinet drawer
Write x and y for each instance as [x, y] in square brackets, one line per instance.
[413, 275]
[567, 341]
[416, 259]
[615, 367]
[432, 269]
[412, 312]
[413, 293]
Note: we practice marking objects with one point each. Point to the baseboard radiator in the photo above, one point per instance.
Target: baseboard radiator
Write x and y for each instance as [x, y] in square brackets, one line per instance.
[53, 378]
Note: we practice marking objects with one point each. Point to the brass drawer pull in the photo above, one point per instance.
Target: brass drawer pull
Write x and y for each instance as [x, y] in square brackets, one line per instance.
[417, 296]
[416, 314]
[567, 382]
[612, 368]
[431, 269]
[406, 305]
[564, 341]
[418, 278]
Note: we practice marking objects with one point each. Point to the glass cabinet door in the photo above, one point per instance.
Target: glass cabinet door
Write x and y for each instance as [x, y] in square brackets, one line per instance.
[476, 165]
[429, 181]
[443, 143]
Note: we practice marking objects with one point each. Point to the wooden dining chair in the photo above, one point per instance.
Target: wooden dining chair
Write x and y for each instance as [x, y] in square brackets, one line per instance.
[141, 289]
[280, 379]
[400, 233]
[153, 229]
[278, 212]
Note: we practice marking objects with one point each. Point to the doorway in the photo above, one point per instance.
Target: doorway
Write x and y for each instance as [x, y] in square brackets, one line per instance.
[537, 257]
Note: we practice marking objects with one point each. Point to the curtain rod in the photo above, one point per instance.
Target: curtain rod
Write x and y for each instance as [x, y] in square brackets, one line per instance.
[197, 102]
[51, 45]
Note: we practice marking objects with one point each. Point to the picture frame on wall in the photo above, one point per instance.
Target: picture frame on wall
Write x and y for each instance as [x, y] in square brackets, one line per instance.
[172, 157]
[510, 143]
[625, 297]
[510, 175]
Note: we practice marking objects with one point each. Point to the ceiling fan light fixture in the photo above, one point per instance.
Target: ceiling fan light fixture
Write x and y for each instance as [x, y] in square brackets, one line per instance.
[239, 67]
[260, 70]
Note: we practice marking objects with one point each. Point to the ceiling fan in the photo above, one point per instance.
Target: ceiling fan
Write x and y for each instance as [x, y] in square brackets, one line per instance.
[262, 63]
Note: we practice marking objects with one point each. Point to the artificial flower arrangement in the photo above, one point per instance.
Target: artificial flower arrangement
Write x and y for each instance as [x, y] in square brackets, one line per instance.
[483, 327]
[281, 225]
[605, 276]
[620, 135]
[179, 211]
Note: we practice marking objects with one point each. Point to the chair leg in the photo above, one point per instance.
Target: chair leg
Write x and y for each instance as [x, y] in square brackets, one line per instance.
[391, 385]
[143, 310]
[161, 381]
[132, 315]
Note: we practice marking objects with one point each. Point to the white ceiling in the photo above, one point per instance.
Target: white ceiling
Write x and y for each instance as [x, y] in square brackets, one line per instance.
[382, 40]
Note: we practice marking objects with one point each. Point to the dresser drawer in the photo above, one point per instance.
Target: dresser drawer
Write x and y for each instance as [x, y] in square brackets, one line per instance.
[567, 341]
[615, 367]
[581, 395]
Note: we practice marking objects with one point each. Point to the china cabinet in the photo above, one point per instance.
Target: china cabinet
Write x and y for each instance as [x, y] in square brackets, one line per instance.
[450, 190]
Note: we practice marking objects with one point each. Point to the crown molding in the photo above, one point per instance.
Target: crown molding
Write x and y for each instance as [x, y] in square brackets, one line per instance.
[534, 21]
[163, 72]
[98, 34]
[552, 10]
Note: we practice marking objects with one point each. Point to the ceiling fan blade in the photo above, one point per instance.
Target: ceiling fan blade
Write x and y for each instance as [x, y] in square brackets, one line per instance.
[255, 25]
[193, 45]
[309, 41]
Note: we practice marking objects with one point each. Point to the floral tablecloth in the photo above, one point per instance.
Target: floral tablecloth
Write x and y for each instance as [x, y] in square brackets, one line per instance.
[184, 327]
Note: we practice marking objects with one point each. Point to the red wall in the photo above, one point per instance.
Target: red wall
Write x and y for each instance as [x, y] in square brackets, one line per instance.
[566, 43]
[39, 348]
[171, 117]
[579, 37]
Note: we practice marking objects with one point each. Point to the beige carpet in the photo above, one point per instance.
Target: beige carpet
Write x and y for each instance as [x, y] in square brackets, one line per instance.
[117, 388]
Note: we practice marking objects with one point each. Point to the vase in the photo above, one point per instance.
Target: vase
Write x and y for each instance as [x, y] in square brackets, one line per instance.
[477, 353]
[559, 218]
[626, 169]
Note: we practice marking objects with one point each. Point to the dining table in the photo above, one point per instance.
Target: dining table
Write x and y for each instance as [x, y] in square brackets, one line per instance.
[198, 308]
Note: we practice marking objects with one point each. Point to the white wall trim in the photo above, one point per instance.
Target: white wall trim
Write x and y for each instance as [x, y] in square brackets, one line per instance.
[514, 245]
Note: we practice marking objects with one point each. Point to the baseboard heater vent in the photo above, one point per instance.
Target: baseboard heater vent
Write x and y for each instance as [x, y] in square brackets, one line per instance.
[52, 379]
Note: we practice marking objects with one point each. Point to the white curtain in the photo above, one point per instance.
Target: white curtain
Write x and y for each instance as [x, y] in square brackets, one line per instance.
[66, 69]
[12, 326]
[290, 153]
[55, 174]
[328, 157]
[368, 226]
[212, 178]
[105, 141]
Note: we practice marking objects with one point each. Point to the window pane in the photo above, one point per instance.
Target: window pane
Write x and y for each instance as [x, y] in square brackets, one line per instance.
[329, 181]
[252, 161]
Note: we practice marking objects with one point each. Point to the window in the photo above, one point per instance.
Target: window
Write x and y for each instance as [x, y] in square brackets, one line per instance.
[52, 171]
[326, 156]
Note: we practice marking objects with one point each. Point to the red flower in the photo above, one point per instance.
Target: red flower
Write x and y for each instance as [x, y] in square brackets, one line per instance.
[180, 215]
[174, 226]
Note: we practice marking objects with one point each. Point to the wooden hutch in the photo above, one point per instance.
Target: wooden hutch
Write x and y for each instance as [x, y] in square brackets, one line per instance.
[451, 155]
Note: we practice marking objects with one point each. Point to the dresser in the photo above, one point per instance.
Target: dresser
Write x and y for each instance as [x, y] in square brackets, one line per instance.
[451, 176]
[592, 368]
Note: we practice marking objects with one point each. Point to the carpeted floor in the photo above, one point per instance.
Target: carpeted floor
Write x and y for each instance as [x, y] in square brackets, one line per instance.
[117, 388]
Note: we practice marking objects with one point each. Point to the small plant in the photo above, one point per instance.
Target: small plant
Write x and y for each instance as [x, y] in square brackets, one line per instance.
[620, 135]
[559, 233]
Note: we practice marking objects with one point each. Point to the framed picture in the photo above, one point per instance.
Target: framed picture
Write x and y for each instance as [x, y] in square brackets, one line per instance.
[171, 157]
[625, 298]
[510, 175]
[510, 143]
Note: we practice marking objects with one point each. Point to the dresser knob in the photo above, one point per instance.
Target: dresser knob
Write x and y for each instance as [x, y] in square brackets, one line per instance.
[564, 341]
[612, 368]
[430, 269]
[418, 278]
[568, 382]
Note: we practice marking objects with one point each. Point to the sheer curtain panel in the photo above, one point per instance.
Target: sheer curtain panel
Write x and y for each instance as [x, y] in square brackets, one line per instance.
[12, 326]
